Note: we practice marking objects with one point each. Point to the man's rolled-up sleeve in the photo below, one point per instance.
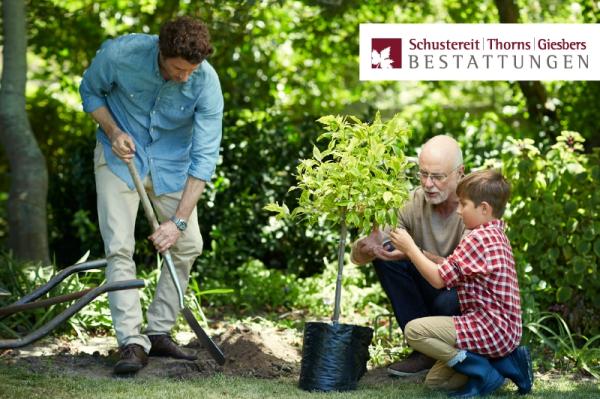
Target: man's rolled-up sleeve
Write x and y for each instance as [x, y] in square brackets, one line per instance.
[206, 137]
[98, 78]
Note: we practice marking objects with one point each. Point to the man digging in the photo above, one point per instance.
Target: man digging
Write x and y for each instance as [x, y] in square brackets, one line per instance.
[158, 103]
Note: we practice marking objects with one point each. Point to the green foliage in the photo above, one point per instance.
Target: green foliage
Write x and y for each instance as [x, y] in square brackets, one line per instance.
[271, 290]
[259, 287]
[581, 352]
[23, 278]
[388, 344]
[194, 295]
[578, 105]
[260, 154]
[554, 224]
[360, 296]
[360, 176]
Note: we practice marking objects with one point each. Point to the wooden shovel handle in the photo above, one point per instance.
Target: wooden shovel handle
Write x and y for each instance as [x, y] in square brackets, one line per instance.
[148, 210]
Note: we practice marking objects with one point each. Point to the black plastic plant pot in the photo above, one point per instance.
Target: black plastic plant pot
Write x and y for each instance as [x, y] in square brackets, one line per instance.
[334, 356]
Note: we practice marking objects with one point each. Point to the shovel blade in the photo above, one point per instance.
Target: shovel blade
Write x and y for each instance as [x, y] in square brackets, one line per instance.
[204, 339]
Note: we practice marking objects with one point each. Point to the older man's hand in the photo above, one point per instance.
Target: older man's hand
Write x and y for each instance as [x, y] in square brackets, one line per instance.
[367, 245]
[384, 254]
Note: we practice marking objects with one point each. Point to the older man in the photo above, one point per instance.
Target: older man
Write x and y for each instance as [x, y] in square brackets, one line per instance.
[431, 219]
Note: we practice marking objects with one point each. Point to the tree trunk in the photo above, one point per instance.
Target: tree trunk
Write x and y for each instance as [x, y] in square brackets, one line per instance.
[338, 284]
[508, 10]
[534, 91]
[28, 232]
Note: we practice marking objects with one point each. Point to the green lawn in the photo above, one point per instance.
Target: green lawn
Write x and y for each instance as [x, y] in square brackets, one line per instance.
[20, 383]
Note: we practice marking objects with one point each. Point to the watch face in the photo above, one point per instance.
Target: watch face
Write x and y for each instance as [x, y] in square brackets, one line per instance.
[388, 246]
[181, 224]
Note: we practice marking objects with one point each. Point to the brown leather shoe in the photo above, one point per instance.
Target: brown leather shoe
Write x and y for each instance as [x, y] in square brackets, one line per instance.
[133, 358]
[416, 363]
[163, 345]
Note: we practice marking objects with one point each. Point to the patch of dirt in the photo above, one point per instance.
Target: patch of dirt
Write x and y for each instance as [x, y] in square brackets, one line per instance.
[250, 350]
[263, 352]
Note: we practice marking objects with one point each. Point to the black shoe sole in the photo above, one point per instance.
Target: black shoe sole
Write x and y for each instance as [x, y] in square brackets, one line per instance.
[396, 373]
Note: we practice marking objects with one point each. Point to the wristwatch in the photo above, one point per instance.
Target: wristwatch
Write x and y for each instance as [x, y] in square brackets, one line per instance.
[180, 223]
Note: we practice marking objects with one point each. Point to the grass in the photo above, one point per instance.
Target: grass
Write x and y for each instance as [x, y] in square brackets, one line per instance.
[21, 383]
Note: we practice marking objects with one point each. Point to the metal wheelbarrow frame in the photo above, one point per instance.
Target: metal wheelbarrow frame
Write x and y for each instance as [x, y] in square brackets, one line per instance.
[85, 297]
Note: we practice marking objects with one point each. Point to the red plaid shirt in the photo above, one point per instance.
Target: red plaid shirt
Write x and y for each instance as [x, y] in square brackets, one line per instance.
[482, 269]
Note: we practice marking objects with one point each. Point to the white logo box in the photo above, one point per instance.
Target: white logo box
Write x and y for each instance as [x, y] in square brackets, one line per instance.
[492, 51]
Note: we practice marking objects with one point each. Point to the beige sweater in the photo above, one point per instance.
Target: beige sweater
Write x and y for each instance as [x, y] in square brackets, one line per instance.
[431, 232]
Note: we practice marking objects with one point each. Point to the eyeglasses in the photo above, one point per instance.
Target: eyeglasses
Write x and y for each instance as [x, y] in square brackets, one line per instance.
[435, 177]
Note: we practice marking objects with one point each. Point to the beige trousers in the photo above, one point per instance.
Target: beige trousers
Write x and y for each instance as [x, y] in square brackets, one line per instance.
[117, 210]
[436, 337]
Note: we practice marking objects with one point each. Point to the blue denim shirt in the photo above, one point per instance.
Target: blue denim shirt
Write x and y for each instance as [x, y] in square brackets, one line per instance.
[176, 127]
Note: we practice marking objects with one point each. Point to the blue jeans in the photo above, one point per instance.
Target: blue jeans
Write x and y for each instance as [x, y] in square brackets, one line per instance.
[411, 295]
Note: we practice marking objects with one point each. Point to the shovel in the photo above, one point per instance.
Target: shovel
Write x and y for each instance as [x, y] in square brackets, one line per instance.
[208, 343]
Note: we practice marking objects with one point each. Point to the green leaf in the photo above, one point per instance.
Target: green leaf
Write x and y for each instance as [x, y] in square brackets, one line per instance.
[567, 252]
[540, 182]
[572, 278]
[583, 247]
[579, 264]
[216, 291]
[570, 207]
[597, 247]
[524, 167]
[316, 153]
[387, 196]
[530, 234]
[596, 172]
[281, 210]
[563, 294]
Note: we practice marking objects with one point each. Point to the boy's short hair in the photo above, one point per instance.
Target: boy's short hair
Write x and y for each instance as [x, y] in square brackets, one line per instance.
[185, 37]
[485, 185]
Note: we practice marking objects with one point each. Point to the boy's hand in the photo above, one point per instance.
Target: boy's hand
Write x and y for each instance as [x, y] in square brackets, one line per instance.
[402, 240]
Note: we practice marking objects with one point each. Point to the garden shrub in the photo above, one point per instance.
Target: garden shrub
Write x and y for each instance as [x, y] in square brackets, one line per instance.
[259, 287]
[554, 227]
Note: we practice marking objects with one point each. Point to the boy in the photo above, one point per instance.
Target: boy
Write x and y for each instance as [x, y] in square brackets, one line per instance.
[482, 342]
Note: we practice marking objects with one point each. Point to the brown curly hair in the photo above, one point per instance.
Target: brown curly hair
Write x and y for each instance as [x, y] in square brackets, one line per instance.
[485, 185]
[185, 37]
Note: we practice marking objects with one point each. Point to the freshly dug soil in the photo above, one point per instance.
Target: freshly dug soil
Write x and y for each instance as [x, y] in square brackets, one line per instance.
[250, 350]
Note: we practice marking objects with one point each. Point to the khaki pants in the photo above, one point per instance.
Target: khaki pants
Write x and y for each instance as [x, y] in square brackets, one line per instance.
[436, 337]
[117, 210]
